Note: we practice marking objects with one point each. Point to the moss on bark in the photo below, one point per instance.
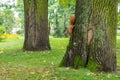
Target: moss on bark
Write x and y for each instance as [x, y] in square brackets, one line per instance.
[36, 25]
[101, 17]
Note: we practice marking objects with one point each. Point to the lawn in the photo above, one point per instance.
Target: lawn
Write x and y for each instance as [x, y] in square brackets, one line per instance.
[15, 64]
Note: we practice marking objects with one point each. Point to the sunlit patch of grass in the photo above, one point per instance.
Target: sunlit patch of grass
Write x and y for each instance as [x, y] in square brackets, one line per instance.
[118, 34]
[118, 57]
[16, 64]
[118, 40]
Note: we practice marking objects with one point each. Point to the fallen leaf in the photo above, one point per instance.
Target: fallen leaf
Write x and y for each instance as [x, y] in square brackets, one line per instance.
[31, 71]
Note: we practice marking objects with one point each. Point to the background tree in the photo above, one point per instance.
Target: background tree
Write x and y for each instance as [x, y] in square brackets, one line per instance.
[59, 12]
[1, 18]
[101, 17]
[7, 18]
[19, 8]
[36, 25]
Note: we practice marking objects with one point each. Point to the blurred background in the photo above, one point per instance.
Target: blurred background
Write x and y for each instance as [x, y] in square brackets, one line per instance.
[12, 17]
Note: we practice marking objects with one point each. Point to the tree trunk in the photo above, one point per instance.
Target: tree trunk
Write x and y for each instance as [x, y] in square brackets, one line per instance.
[57, 30]
[94, 35]
[36, 25]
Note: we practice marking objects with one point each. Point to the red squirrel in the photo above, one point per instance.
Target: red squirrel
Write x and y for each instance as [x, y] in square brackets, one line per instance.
[72, 25]
[72, 22]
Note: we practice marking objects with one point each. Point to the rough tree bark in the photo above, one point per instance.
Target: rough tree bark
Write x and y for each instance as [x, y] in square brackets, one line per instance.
[99, 16]
[36, 25]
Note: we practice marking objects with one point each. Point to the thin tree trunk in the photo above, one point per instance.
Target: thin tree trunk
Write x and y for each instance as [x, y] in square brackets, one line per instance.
[65, 24]
[36, 25]
[57, 31]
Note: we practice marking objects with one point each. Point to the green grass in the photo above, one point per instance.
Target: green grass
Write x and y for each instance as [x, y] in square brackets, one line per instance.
[15, 64]
[118, 40]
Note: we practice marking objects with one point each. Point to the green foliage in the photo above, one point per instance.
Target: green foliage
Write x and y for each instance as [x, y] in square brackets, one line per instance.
[20, 32]
[57, 28]
[67, 3]
[20, 10]
[2, 29]
[77, 61]
[92, 65]
[58, 17]
[12, 15]
[1, 18]
[16, 64]
[9, 20]
[2, 38]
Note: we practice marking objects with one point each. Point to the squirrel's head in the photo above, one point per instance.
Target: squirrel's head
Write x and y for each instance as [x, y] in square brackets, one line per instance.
[72, 19]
